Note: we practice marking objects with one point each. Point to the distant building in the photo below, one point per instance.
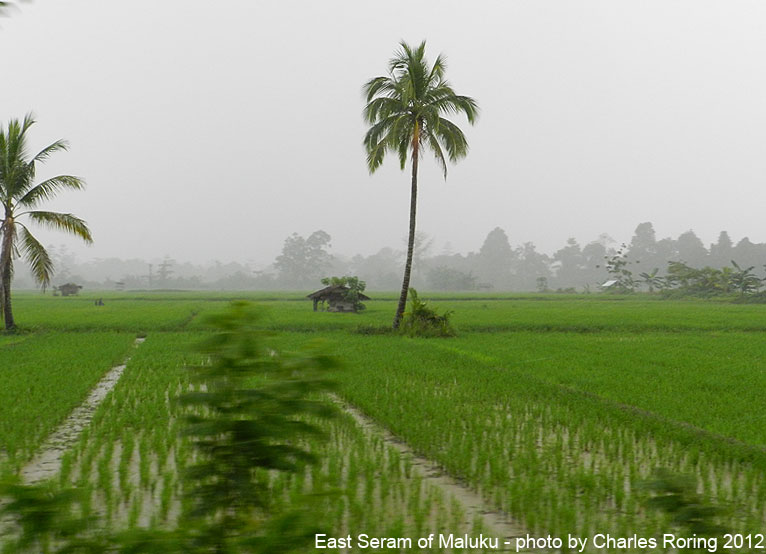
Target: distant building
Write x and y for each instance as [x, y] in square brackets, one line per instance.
[335, 296]
[609, 284]
[68, 289]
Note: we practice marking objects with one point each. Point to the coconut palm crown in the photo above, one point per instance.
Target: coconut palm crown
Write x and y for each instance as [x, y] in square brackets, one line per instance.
[19, 202]
[405, 110]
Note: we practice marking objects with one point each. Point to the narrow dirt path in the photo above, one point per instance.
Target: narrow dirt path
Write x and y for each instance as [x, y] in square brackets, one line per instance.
[500, 523]
[47, 462]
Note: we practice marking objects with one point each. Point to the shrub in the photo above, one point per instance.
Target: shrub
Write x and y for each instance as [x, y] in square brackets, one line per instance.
[422, 321]
[252, 407]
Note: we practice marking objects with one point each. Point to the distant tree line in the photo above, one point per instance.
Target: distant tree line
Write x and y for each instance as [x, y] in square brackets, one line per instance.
[643, 264]
[498, 265]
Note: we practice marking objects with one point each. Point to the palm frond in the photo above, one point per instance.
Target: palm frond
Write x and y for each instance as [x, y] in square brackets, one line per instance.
[17, 137]
[433, 144]
[378, 85]
[444, 99]
[376, 144]
[468, 106]
[402, 148]
[383, 107]
[62, 222]
[452, 138]
[46, 152]
[437, 70]
[49, 188]
[401, 58]
[417, 69]
[384, 136]
[408, 68]
[415, 93]
[37, 257]
[379, 130]
[22, 179]
[375, 155]
[16, 174]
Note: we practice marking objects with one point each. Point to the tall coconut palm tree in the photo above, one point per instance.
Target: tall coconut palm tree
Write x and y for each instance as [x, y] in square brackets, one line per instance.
[405, 110]
[19, 199]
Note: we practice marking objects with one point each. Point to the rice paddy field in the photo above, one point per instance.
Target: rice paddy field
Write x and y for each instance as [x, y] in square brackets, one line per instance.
[544, 417]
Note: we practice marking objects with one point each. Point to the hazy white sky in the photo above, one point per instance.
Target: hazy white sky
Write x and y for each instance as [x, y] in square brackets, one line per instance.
[215, 129]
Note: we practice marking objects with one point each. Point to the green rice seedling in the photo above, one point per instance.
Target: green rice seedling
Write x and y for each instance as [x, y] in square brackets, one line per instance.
[66, 468]
[457, 514]
[601, 490]
[120, 314]
[167, 495]
[104, 483]
[43, 378]
[144, 463]
[133, 515]
[126, 454]
[548, 406]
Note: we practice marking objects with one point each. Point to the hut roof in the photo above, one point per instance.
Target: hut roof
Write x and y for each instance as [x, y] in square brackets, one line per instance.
[71, 286]
[333, 290]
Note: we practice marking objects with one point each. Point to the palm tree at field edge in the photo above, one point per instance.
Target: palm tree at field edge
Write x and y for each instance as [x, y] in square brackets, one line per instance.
[405, 112]
[19, 197]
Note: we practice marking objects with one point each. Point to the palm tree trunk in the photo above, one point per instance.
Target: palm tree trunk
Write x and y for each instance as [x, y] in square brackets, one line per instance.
[411, 238]
[6, 272]
[10, 324]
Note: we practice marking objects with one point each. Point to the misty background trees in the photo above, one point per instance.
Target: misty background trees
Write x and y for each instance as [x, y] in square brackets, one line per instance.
[304, 261]
[499, 263]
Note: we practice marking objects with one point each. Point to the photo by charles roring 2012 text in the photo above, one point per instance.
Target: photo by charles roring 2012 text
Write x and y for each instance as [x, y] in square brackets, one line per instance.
[599, 541]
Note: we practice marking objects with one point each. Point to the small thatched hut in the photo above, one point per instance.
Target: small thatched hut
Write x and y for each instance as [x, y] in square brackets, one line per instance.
[336, 298]
[68, 289]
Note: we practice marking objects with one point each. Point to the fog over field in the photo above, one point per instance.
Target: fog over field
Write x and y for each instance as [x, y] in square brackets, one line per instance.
[215, 130]
[241, 336]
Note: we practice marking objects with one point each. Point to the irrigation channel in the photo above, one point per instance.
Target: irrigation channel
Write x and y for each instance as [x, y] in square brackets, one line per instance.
[47, 463]
[475, 507]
